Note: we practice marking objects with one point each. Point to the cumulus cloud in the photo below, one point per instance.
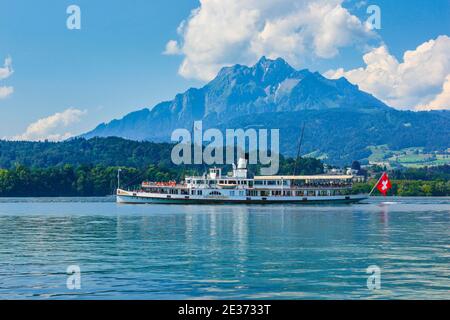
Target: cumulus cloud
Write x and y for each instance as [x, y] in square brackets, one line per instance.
[220, 33]
[52, 128]
[5, 72]
[419, 82]
[442, 100]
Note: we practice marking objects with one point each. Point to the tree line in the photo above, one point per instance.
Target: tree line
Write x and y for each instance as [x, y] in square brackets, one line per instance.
[99, 180]
[81, 167]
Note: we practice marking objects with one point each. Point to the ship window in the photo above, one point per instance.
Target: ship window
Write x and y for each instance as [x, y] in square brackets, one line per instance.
[258, 183]
[231, 193]
[215, 193]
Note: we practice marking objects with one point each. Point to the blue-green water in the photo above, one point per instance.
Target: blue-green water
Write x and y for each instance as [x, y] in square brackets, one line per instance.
[224, 252]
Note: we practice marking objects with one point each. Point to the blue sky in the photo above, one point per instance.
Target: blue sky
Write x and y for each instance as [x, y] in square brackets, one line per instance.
[115, 63]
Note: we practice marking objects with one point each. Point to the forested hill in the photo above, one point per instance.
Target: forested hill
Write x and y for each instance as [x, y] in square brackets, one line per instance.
[97, 151]
[82, 167]
[113, 152]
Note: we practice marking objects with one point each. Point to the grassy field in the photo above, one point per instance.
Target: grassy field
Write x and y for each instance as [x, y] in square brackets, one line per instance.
[317, 155]
[409, 157]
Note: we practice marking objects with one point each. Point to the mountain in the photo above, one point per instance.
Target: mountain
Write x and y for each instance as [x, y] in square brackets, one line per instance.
[341, 121]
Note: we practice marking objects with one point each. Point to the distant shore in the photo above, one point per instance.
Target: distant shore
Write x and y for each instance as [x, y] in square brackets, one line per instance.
[409, 188]
[85, 168]
[101, 181]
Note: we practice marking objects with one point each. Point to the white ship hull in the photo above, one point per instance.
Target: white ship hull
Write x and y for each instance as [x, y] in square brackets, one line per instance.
[236, 187]
[146, 197]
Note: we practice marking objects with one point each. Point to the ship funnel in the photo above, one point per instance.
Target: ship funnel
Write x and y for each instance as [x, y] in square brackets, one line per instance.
[242, 163]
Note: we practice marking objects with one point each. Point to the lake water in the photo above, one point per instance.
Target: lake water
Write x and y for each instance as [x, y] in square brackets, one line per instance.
[224, 252]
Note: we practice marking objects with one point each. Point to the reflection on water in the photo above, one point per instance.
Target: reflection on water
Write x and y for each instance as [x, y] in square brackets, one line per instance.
[177, 252]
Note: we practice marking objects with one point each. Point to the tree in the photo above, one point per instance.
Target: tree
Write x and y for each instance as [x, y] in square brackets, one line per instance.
[356, 165]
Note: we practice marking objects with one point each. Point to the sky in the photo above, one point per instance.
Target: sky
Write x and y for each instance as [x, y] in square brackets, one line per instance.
[57, 82]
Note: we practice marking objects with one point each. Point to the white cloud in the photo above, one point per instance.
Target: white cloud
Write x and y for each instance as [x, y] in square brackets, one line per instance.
[441, 101]
[361, 4]
[5, 91]
[53, 128]
[7, 69]
[220, 33]
[416, 83]
[5, 72]
[172, 48]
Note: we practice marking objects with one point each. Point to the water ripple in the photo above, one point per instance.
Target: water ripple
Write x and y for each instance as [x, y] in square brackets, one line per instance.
[227, 252]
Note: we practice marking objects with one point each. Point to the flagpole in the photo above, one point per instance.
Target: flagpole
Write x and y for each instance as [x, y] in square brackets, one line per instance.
[376, 184]
[118, 178]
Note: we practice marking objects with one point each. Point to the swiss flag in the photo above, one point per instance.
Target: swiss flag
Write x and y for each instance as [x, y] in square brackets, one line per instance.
[384, 184]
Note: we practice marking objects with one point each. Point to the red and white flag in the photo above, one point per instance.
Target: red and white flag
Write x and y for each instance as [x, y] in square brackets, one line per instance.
[384, 184]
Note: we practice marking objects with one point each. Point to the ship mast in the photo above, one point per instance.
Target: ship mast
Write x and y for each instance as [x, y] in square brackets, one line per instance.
[298, 150]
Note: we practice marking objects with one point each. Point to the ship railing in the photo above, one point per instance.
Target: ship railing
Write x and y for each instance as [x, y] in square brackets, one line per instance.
[323, 186]
[303, 187]
[163, 185]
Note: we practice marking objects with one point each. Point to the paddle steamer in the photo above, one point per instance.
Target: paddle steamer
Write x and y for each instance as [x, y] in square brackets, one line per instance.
[237, 187]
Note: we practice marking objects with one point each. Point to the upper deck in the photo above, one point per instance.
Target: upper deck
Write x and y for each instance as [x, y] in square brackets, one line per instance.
[215, 180]
[304, 182]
